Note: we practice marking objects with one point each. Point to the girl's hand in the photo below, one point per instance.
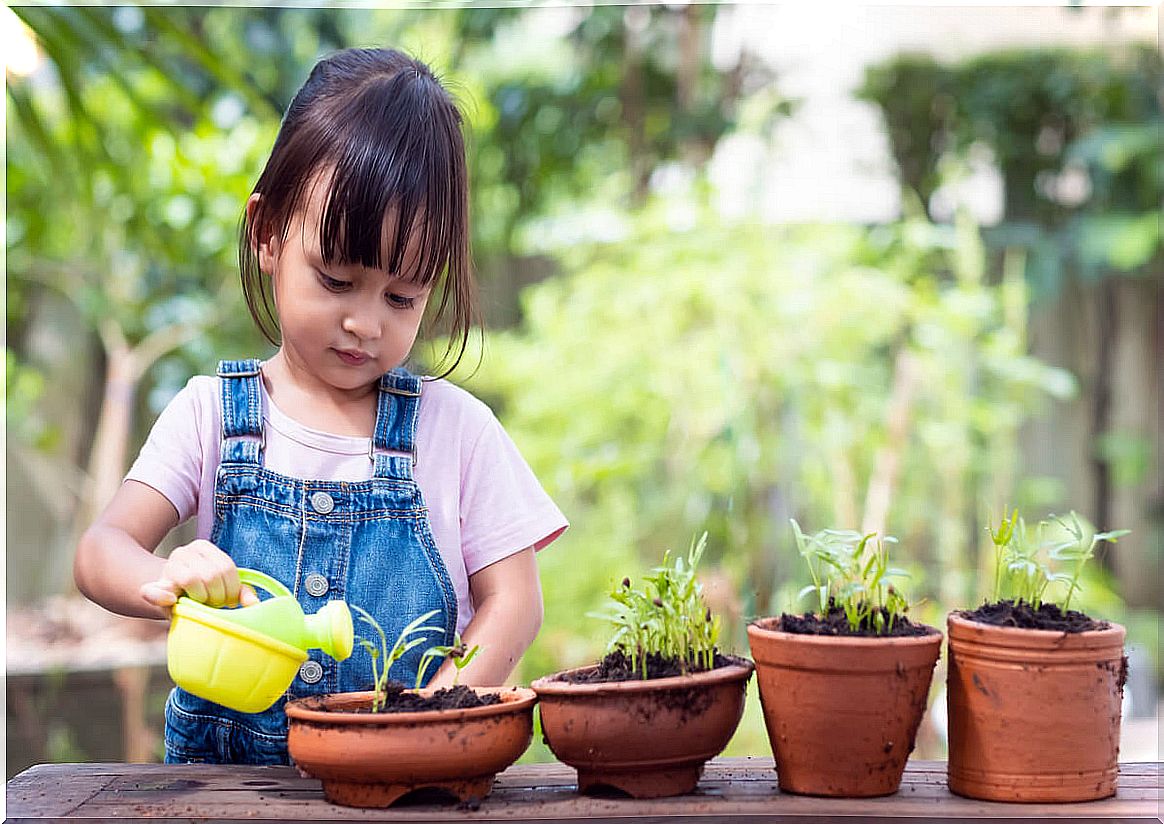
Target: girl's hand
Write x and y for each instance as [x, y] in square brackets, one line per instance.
[202, 571]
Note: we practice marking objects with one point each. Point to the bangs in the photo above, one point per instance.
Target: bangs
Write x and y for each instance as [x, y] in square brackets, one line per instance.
[390, 189]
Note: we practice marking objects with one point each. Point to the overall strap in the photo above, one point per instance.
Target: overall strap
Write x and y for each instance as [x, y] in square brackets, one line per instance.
[394, 442]
[243, 440]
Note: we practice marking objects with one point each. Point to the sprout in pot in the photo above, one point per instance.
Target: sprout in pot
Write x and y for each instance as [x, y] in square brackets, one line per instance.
[844, 687]
[851, 581]
[1034, 687]
[1025, 569]
[393, 696]
[661, 702]
[660, 629]
[371, 748]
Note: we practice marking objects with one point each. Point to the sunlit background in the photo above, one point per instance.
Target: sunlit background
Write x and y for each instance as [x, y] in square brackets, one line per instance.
[891, 268]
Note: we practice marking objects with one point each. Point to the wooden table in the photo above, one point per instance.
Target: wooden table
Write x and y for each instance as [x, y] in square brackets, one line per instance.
[732, 789]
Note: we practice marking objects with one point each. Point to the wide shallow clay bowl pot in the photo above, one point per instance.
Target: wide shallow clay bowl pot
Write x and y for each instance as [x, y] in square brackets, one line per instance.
[1034, 715]
[647, 738]
[371, 759]
[841, 712]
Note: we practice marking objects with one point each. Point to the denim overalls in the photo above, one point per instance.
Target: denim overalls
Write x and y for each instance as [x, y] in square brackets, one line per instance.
[367, 543]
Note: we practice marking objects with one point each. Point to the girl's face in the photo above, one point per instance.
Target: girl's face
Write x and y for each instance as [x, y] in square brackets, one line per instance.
[345, 325]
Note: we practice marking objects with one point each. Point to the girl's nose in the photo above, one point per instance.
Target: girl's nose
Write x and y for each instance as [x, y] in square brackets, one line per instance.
[364, 326]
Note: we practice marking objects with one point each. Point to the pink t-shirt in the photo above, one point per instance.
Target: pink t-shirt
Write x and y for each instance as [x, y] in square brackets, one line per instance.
[484, 502]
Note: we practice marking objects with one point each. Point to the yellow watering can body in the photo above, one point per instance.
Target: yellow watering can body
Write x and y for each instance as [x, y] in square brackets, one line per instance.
[245, 658]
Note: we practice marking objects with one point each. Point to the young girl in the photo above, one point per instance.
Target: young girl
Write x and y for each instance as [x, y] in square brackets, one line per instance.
[329, 466]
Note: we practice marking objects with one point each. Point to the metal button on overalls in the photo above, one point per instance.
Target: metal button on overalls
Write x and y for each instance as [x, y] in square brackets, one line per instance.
[311, 671]
[316, 584]
[322, 503]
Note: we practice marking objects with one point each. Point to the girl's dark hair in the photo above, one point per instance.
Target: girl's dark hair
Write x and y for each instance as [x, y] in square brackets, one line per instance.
[379, 129]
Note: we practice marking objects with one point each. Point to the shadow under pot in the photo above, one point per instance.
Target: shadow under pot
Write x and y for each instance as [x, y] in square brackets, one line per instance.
[367, 759]
[842, 712]
[1034, 715]
[648, 738]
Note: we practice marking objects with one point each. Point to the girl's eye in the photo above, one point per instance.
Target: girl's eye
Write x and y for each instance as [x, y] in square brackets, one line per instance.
[401, 301]
[333, 284]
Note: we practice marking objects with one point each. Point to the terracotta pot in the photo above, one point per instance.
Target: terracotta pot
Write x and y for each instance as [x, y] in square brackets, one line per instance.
[1034, 715]
[647, 738]
[368, 759]
[841, 712]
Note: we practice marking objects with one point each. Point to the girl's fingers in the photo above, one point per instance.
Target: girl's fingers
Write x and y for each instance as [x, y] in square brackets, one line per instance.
[208, 575]
[247, 596]
[159, 593]
[230, 587]
[212, 568]
[218, 573]
[187, 578]
[216, 590]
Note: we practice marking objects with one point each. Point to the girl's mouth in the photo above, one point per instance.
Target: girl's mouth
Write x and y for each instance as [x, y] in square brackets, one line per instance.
[353, 357]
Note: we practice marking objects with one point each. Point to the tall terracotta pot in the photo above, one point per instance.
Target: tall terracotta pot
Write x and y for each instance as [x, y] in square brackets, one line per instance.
[646, 738]
[366, 759]
[841, 712]
[1034, 715]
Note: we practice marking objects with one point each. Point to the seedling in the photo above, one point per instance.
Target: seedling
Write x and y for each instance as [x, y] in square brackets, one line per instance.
[852, 571]
[667, 616]
[456, 653]
[390, 656]
[1022, 575]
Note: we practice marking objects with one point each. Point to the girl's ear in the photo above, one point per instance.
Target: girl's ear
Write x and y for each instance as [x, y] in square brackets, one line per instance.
[264, 242]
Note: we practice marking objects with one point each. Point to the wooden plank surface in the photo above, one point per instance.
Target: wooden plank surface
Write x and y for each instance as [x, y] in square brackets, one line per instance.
[742, 789]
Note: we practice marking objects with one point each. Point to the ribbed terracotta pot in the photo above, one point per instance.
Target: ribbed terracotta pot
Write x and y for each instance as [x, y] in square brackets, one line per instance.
[1034, 715]
[647, 738]
[841, 712]
[372, 759]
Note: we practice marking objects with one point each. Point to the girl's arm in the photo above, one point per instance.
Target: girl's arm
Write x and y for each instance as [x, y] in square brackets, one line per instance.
[508, 599]
[116, 568]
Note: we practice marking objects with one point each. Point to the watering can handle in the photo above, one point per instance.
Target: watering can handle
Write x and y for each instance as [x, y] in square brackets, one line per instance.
[259, 579]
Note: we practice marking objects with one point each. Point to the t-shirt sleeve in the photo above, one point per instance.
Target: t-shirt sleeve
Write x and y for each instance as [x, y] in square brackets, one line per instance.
[171, 459]
[504, 508]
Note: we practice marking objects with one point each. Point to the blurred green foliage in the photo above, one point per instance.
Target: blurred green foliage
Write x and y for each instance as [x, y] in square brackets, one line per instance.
[1078, 136]
[683, 374]
[730, 376]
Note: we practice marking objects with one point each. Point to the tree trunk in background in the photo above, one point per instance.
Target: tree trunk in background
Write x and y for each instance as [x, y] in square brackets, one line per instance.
[1106, 330]
[125, 366]
[1137, 486]
[107, 458]
[887, 462]
[107, 462]
[633, 98]
[1066, 331]
[687, 72]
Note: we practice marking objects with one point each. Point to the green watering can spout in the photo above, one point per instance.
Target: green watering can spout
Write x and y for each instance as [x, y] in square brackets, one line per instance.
[331, 630]
[245, 658]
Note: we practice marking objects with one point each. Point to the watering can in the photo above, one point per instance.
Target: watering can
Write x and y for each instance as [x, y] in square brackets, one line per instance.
[245, 658]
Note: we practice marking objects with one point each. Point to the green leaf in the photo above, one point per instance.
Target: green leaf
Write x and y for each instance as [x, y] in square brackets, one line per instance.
[1122, 241]
[1112, 536]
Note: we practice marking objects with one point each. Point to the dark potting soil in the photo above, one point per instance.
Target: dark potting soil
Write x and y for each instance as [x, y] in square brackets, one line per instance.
[1022, 615]
[459, 697]
[836, 623]
[616, 666]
